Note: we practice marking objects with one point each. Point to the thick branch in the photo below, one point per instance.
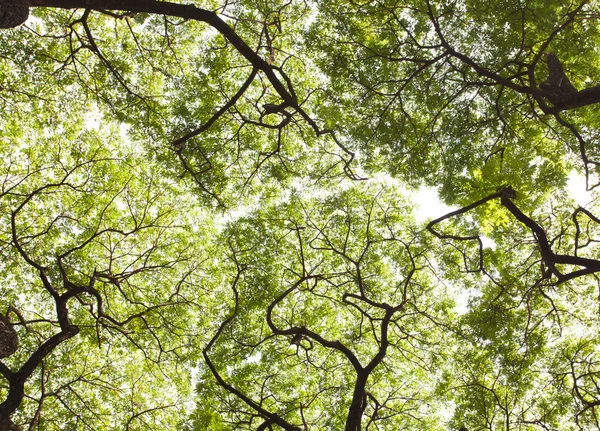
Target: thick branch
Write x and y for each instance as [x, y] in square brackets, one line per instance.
[587, 96]
[178, 143]
[551, 259]
[184, 11]
[336, 345]
[282, 86]
[270, 418]
[17, 380]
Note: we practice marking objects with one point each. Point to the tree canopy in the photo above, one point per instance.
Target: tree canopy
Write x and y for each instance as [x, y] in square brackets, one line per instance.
[208, 215]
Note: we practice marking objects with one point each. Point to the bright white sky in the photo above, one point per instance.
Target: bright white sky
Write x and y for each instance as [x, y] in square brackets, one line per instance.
[430, 206]
[577, 189]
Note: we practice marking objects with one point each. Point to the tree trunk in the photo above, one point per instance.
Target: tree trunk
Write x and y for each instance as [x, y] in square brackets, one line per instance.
[13, 13]
[588, 96]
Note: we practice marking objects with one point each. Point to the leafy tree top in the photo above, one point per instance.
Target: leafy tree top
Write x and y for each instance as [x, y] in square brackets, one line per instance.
[216, 195]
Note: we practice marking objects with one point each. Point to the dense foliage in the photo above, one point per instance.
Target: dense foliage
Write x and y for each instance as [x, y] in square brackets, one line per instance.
[208, 215]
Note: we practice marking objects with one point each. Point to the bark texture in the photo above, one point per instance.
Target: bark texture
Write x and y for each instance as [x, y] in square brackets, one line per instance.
[557, 87]
[8, 338]
[13, 13]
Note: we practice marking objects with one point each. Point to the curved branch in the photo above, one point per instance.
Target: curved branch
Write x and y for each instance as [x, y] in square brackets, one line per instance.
[337, 345]
[282, 86]
[549, 257]
[270, 418]
[179, 143]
